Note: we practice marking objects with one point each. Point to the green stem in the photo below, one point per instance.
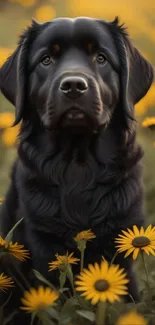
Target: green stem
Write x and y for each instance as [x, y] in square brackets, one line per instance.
[70, 277]
[147, 277]
[82, 260]
[113, 259]
[15, 279]
[101, 313]
[43, 318]
[132, 300]
[62, 279]
[27, 284]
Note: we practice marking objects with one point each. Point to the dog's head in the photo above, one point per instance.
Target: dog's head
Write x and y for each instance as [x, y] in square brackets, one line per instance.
[75, 73]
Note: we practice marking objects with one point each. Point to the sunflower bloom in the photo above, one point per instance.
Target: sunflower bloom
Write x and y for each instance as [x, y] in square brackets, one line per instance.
[5, 282]
[40, 299]
[85, 235]
[81, 241]
[62, 261]
[149, 122]
[15, 250]
[136, 241]
[9, 136]
[4, 54]
[1, 200]
[6, 120]
[102, 283]
[24, 3]
[131, 318]
[45, 13]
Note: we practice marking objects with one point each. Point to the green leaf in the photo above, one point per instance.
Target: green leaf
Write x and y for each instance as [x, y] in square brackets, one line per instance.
[33, 317]
[44, 317]
[53, 313]
[41, 278]
[68, 311]
[86, 314]
[142, 307]
[8, 320]
[114, 310]
[5, 303]
[84, 304]
[9, 236]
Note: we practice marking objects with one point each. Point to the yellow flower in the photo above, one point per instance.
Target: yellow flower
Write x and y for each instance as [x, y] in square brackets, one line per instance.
[131, 318]
[9, 136]
[85, 235]
[102, 283]
[149, 122]
[5, 282]
[4, 54]
[40, 299]
[137, 240]
[140, 109]
[6, 120]
[15, 249]
[62, 262]
[24, 3]
[146, 102]
[45, 13]
[1, 200]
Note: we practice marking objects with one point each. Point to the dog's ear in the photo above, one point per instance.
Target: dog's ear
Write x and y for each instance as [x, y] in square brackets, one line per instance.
[14, 73]
[136, 73]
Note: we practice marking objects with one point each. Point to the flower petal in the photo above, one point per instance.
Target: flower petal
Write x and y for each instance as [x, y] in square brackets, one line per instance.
[135, 253]
[136, 231]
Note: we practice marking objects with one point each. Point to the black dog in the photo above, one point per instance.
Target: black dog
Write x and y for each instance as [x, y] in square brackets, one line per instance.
[74, 83]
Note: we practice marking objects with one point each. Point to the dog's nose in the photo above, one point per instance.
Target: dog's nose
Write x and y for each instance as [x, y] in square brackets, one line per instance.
[73, 86]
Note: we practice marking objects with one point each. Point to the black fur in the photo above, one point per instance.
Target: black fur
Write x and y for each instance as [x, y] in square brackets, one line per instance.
[69, 179]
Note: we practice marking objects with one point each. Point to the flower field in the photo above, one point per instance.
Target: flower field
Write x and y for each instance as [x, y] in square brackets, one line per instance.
[96, 295]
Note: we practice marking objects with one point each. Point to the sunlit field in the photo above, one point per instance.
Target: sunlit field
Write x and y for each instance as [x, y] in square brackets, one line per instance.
[89, 299]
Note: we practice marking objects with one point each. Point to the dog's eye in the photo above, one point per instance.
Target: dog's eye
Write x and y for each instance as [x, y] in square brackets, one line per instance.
[46, 60]
[100, 58]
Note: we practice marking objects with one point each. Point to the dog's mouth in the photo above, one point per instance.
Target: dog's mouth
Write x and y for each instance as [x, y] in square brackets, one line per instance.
[73, 115]
[74, 120]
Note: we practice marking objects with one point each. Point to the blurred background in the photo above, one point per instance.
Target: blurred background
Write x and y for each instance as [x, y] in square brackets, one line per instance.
[138, 15]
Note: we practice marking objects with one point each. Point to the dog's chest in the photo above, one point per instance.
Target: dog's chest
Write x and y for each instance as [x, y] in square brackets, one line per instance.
[77, 203]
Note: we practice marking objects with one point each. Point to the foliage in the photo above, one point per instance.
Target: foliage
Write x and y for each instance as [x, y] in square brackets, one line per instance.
[92, 297]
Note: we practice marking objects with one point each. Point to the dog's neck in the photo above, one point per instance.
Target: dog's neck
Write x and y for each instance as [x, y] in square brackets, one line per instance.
[104, 150]
[104, 165]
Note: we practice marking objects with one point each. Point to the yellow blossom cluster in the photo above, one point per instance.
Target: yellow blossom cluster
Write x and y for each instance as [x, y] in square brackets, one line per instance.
[45, 13]
[24, 3]
[8, 134]
[147, 102]
[4, 54]
[99, 283]
[137, 15]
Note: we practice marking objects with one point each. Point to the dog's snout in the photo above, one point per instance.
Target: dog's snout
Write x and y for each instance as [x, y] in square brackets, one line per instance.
[73, 86]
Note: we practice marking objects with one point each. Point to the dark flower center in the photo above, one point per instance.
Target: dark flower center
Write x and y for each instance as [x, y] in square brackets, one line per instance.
[151, 127]
[101, 285]
[141, 241]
